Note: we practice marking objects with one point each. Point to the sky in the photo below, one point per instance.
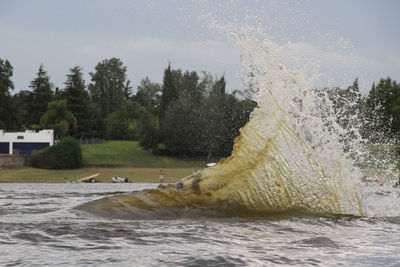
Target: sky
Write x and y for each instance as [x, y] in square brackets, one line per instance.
[348, 38]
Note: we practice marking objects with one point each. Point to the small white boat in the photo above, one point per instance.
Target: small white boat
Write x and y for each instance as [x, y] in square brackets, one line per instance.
[211, 164]
[117, 179]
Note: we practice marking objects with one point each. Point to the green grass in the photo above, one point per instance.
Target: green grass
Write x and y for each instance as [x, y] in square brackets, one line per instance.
[113, 158]
[129, 153]
[139, 175]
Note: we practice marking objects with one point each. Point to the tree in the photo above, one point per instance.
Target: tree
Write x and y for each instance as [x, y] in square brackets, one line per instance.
[109, 86]
[182, 128]
[183, 123]
[203, 119]
[169, 91]
[123, 124]
[7, 109]
[6, 72]
[59, 118]
[380, 110]
[149, 134]
[22, 101]
[127, 89]
[42, 94]
[148, 95]
[224, 115]
[215, 124]
[97, 125]
[189, 85]
[78, 100]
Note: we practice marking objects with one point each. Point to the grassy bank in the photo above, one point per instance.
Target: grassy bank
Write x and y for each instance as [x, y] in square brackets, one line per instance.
[140, 175]
[113, 158]
[129, 153]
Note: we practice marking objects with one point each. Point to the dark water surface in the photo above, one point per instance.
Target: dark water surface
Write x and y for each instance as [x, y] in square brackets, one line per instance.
[40, 226]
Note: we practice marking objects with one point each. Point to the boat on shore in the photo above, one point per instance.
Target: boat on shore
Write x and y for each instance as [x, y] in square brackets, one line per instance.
[89, 179]
[117, 179]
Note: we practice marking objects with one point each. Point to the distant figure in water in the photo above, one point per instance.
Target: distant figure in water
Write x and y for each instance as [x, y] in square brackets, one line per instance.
[380, 179]
[161, 177]
[66, 180]
[397, 184]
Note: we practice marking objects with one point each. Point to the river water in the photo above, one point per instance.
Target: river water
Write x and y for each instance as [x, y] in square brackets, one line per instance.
[42, 225]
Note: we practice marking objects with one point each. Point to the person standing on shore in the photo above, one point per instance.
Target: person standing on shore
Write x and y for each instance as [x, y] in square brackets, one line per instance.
[161, 177]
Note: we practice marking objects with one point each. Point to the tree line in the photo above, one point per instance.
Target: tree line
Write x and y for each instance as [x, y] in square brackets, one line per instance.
[375, 117]
[186, 115]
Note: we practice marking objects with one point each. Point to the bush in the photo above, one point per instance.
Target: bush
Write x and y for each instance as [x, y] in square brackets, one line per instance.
[66, 154]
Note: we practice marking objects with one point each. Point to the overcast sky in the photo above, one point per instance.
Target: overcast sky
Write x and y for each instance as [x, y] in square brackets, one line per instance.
[350, 38]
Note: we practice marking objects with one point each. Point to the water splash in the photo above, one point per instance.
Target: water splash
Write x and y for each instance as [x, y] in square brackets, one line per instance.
[290, 156]
[285, 158]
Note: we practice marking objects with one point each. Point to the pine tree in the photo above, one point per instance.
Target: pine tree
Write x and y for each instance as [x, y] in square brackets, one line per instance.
[169, 91]
[127, 89]
[22, 101]
[77, 99]
[42, 94]
[7, 109]
[216, 127]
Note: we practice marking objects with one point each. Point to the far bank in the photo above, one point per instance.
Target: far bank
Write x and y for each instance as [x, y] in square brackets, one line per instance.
[137, 175]
[113, 158]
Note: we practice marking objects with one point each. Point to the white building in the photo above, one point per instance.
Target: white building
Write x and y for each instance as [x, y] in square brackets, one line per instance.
[25, 143]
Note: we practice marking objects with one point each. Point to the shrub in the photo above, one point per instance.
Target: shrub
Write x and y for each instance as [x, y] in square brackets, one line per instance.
[66, 154]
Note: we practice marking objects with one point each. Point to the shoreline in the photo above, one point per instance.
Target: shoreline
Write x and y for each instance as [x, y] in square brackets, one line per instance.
[136, 174]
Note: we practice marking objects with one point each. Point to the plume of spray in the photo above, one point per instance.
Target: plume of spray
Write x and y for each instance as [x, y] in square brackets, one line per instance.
[314, 158]
[325, 121]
